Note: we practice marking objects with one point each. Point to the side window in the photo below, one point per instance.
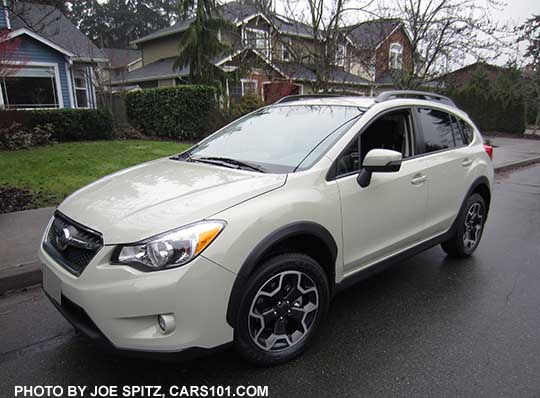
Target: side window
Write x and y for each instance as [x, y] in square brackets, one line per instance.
[436, 129]
[468, 131]
[458, 136]
[389, 131]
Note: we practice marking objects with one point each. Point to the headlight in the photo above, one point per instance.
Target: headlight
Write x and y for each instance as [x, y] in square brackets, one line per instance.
[170, 249]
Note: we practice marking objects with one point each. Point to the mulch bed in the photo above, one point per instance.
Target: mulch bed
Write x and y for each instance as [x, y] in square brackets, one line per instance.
[16, 199]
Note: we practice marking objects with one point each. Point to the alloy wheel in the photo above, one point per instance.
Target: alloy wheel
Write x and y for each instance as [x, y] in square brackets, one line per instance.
[283, 311]
[474, 222]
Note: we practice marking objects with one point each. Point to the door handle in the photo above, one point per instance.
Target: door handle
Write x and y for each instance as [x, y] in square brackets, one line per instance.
[466, 162]
[418, 179]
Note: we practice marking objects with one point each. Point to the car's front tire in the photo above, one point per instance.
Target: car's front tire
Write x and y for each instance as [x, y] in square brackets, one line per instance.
[469, 229]
[284, 302]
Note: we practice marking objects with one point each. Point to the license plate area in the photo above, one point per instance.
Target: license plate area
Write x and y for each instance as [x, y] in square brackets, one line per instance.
[52, 284]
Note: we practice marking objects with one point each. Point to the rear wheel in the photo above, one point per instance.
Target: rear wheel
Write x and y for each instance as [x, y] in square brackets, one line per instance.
[283, 305]
[469, 229]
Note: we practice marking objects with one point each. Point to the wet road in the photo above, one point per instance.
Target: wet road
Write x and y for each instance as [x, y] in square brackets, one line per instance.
[428, 327]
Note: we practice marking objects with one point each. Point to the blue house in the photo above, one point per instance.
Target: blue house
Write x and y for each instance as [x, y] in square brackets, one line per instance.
[56, 62]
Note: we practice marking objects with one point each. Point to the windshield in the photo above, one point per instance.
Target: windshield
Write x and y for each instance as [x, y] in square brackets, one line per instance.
[279, 138]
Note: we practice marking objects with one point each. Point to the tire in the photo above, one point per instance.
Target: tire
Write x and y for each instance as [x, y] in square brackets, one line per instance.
[292, 292]
[469, 228]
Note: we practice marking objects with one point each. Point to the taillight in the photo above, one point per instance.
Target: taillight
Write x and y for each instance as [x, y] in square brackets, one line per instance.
[489, 150]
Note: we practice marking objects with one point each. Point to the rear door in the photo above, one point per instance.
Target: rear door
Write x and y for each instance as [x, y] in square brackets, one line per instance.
[446, 155]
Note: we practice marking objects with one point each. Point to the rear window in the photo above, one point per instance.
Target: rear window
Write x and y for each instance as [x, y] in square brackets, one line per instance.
[468, 131]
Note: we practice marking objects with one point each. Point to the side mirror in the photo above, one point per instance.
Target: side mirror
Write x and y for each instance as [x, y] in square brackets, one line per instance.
[378, 161]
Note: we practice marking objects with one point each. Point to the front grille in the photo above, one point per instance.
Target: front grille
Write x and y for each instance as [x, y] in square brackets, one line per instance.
[72, 245]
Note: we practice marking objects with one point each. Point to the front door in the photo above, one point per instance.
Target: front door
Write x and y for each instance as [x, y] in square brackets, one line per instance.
[388, 215]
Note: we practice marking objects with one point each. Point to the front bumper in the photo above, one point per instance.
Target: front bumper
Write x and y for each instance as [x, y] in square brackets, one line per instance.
[120, 305]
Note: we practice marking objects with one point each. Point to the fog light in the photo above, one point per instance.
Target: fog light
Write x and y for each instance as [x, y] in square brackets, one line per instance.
[166, 323]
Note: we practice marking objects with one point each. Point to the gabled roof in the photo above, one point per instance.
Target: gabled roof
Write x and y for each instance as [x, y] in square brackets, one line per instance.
[237, 12]
[368, 35]
[51, 24]
[121, 57]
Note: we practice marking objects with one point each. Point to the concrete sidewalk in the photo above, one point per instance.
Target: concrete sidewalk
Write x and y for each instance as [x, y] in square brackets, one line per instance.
[20, 234]
[21, 231]
[513, 152]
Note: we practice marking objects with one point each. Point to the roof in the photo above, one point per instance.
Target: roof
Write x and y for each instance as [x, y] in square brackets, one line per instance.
[235, 12]
[121, 57]
[161, 69]
[50, 23]
[303, 72]
[368, 35]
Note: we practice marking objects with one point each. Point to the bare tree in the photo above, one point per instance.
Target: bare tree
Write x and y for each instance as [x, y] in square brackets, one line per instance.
[324, 48]
[444, 33]
[530, 34]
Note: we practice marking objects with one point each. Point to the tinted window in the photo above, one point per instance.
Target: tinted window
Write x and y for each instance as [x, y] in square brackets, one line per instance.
[390, 131]
[458, 136]
[437, 130]
[468, 131]
[278, 138]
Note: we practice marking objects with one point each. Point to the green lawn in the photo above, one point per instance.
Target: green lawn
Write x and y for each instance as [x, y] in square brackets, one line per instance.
[54, 171]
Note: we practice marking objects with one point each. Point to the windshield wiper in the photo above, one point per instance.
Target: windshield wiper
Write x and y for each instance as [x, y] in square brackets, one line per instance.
[227, 161]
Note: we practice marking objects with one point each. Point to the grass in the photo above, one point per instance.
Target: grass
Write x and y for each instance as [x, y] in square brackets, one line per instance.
[55, 171]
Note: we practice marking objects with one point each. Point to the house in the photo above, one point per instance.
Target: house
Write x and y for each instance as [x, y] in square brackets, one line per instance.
[275, 55]
[56, 62]
[460, 77]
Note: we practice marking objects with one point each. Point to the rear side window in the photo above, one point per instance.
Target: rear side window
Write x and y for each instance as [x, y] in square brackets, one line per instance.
[436, 128]
[468, 131]
[458, 136]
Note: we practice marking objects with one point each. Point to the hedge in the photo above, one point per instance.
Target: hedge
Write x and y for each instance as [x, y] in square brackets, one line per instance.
[180, 112]
[68, 124]
[490, 113]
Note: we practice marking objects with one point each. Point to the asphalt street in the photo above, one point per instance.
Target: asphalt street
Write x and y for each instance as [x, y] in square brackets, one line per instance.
[430, 326]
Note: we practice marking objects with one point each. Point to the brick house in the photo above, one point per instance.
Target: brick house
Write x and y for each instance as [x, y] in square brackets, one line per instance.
[273, 53]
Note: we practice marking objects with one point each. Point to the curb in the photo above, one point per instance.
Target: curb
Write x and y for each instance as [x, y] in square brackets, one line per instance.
[517, 163]
[16, 278]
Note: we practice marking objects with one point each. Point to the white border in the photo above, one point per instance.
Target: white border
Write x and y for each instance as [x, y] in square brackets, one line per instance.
[24, 31]
[59, 93]
[69, 77]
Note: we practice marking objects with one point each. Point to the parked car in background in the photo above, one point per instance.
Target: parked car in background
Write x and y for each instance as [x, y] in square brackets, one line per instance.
[246, 237]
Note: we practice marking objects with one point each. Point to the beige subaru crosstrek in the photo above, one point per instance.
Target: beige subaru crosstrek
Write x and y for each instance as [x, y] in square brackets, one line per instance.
[246, 237]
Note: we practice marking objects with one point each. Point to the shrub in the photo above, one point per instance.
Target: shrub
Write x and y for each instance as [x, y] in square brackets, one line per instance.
[67, 124]
[180, 112]
[17, 136]
[247, 103]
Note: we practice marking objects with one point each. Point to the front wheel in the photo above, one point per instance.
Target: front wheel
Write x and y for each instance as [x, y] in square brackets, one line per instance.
[284, 303]
[469, 228]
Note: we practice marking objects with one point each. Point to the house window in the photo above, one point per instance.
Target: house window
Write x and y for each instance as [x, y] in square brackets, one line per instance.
[341, 53]
[258, 40]
[30, 87]
[249, 86]
[285, 50]
[396, 56]
[81, 88]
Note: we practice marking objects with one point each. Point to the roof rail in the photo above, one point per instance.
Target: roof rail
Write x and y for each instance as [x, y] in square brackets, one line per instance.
[290, 98]
[426, 95]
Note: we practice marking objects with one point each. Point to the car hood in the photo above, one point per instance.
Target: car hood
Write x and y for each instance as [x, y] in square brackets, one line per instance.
[161, 195]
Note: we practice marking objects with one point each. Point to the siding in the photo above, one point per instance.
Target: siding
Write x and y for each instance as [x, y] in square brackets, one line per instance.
[31, 50]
